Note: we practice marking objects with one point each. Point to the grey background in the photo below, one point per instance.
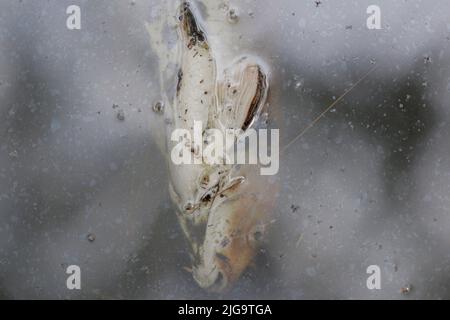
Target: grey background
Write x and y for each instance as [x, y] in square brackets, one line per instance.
[369, 183]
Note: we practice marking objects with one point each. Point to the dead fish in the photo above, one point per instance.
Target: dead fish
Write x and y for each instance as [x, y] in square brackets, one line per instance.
[223, 209]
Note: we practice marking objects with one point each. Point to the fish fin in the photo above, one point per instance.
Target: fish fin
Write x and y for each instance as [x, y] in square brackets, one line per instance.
[241, 93]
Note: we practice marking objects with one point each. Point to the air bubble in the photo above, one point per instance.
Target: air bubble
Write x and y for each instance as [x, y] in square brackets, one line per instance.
[158, 107]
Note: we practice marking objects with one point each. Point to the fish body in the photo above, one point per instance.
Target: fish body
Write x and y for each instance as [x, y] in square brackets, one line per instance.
[223, 208]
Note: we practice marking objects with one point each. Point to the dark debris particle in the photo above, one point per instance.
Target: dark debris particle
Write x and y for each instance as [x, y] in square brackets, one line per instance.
[406, 290]
[158, 107]
[233, 16]
[121, 115]
[91, 237]
[206, 198]
[222, 257]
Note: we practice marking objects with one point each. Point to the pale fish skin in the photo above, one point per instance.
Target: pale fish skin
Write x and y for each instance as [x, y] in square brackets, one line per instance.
[224, 210]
